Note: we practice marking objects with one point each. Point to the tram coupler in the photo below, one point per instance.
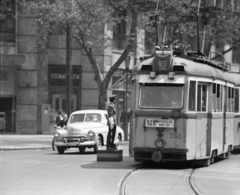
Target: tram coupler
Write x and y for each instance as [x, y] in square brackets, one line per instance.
[157, 156]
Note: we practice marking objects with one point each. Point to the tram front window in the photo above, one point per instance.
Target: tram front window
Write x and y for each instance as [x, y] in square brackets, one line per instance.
[161, 96]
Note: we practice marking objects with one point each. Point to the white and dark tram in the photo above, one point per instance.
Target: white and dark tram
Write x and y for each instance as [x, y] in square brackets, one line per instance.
[184, 108]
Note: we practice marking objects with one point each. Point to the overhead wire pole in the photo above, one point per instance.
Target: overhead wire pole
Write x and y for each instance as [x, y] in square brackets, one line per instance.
[68, 72]
[156, 29]
[198, 36]
[204, 31]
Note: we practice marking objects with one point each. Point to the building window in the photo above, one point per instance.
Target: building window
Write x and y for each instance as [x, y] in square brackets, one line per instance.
[120, 30]
[7, 21]
[57, 88]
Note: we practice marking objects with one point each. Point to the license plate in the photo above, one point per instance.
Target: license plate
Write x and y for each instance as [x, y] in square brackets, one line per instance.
[166, 123]
[72, 144]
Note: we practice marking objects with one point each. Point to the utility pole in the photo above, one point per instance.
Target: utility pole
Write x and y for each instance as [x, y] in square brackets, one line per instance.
[125, 113]
[68, 68]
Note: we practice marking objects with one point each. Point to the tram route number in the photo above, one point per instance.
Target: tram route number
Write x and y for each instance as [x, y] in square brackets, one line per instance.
[165, 123]
[175, 136]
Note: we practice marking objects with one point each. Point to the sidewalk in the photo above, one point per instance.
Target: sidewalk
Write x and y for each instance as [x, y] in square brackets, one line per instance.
[28, 142]
[25, 142]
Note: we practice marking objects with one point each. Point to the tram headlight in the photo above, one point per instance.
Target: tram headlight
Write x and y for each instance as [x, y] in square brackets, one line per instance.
[176, 114]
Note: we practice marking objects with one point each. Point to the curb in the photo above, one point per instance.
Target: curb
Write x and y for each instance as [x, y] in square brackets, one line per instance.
[10, 148]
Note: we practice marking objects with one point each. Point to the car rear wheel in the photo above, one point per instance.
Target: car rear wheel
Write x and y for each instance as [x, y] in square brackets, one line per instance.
[82, 149]
[61, 150]
[53, 144]
[98, 145]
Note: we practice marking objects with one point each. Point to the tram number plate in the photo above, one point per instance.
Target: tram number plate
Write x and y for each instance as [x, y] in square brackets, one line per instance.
[166, 123]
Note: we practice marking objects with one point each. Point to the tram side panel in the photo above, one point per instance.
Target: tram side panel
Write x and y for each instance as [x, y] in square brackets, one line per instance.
[196, 138]
[229, 132]
[217, 133]
[236, 136]
[236, 133]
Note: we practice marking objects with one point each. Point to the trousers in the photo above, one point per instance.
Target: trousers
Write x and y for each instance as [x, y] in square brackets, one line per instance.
[110, 137]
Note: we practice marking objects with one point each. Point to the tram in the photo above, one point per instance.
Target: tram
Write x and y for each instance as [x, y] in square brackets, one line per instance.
[184, 107]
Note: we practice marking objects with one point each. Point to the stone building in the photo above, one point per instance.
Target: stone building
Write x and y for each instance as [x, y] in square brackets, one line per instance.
[32, 81]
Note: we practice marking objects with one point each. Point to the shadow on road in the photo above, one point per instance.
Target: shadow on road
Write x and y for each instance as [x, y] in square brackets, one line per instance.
[126, 163]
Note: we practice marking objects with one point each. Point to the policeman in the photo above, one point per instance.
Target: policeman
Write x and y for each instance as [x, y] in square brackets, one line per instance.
[112, 123]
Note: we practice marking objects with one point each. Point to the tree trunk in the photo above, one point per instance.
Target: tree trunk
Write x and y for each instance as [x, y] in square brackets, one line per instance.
[102, 97]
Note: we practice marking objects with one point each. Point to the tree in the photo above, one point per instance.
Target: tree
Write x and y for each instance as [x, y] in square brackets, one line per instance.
[87, 20]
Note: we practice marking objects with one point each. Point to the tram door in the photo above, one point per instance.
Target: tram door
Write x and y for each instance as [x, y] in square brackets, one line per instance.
[202, 119]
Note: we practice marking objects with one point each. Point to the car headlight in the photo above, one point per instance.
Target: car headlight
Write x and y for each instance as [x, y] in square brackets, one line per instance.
[91, 135]
[56, 135]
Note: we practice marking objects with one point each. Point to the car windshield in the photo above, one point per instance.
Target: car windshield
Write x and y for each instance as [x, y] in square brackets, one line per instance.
[76, 118]
[89, 117]
[161, 96]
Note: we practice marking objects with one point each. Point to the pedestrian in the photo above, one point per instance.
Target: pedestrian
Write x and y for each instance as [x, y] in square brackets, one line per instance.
[112, 123]
[63, 123]
[59, 118]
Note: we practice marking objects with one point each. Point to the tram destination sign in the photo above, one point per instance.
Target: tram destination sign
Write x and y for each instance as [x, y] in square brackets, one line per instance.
[165, 123]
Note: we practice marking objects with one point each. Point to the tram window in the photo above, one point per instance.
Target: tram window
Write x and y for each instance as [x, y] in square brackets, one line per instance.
[236, 98]
[214, 97]
[192, 96]
[161, 96]
[230, 99]
[202, 98]
[219, 98]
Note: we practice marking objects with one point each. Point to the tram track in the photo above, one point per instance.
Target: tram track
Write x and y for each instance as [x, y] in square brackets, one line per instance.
[123, 190]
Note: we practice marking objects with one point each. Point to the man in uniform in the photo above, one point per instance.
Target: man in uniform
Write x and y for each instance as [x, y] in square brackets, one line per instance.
[112, 123]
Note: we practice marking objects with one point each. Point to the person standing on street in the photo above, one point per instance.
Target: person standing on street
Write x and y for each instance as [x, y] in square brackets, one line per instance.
[63, 122]
[112, 123]
[59, 118]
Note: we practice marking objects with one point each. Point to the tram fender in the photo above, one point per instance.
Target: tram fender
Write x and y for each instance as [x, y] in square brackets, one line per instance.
[156, 156]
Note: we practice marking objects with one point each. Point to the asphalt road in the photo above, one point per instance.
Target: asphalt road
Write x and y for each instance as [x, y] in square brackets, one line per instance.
[45, 172]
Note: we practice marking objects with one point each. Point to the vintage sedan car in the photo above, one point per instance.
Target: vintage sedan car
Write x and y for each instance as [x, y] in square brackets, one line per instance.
[85, 129]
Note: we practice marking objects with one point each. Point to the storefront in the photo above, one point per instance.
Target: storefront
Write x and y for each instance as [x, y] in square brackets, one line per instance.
[57, 88]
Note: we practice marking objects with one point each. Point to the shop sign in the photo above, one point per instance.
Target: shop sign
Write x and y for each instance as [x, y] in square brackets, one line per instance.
[57, 75]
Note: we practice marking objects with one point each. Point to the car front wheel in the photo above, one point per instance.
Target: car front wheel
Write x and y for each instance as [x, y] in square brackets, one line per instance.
[61, 150]
[98, 145]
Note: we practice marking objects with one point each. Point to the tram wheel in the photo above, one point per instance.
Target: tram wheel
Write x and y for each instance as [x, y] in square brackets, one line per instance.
[214, 155]
[228, 154]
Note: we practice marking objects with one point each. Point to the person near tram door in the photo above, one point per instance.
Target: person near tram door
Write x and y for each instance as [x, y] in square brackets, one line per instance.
[112, 123]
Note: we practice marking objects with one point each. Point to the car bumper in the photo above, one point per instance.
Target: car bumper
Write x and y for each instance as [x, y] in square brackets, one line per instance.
[74, 144]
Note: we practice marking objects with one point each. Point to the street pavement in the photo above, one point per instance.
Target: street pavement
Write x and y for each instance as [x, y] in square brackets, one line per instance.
[28, 142]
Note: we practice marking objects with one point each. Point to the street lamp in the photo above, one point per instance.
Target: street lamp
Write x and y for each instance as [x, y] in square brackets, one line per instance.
[126, 118]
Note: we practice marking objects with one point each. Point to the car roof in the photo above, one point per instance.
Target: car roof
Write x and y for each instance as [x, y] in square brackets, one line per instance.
[90, 111]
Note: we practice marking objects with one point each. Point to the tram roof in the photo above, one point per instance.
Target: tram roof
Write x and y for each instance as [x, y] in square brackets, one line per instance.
[192, 68]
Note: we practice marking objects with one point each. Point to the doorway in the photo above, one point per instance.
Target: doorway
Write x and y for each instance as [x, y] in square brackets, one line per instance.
[7, 110]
